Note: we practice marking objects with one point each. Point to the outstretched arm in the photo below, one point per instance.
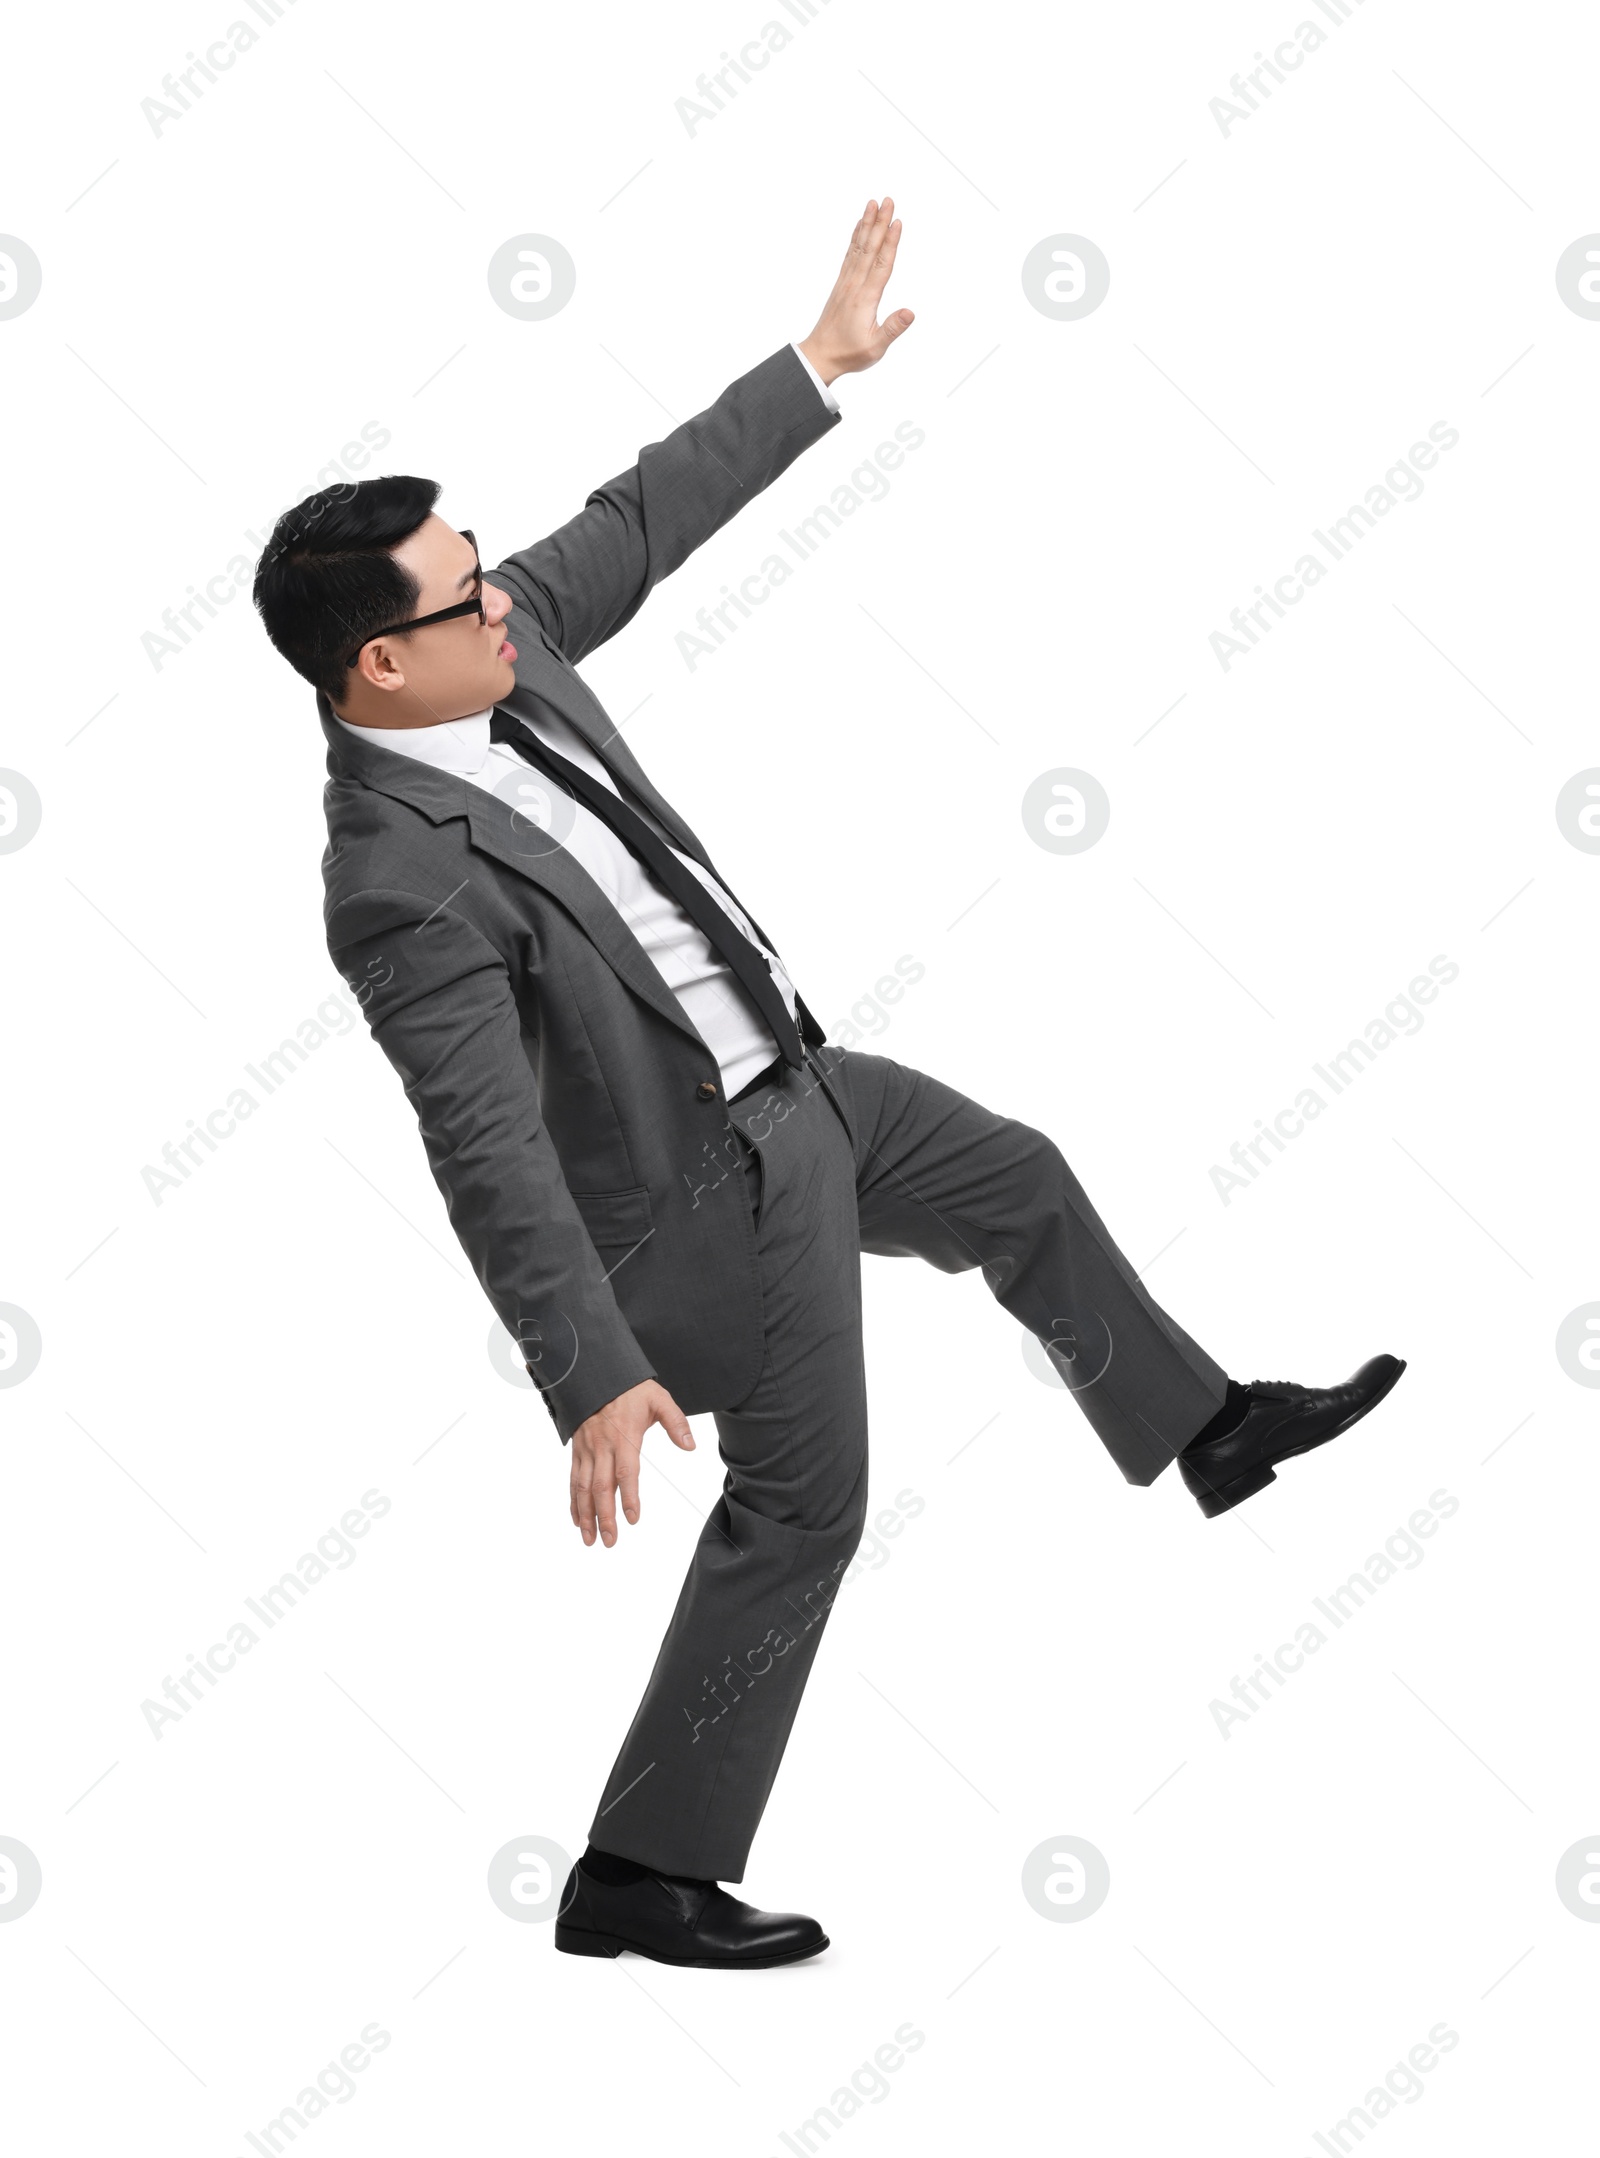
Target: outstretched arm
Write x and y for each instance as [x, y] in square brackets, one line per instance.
[589, 578]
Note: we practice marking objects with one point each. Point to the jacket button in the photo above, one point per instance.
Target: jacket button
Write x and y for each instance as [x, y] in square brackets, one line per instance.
[707, 1090]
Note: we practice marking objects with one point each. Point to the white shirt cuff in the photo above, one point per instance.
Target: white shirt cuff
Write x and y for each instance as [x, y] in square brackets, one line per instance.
[823, 390]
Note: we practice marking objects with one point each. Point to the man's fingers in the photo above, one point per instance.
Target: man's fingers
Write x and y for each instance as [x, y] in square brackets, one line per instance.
[666, 1412]
[873, 241]
[879, 270]
[583, 1506]
[896, 326]
[605, 1493]
[609, 1467]
[628, 1484]
[858, 240]
[883, 226]
[883, 261]
[864, 242]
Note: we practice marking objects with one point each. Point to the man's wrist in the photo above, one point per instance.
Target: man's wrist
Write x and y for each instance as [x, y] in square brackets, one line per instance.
[821, 370]
[820, 360]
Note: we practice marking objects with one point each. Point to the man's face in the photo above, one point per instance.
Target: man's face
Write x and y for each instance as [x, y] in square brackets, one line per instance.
[448, 669]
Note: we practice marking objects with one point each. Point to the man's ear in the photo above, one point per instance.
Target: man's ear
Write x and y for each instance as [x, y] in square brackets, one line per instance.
[379, 666]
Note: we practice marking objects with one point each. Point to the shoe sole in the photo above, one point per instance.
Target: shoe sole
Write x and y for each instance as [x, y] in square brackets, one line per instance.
[1227, 1496]
[579, 1941]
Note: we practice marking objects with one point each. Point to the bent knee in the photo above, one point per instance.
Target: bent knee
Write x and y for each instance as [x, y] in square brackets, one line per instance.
[838, 1519]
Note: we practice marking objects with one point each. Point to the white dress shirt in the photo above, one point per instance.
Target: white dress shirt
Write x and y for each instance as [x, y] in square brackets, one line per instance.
[717, 1008]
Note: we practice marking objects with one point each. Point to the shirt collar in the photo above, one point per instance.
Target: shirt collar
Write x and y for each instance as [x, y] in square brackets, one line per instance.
[454, 745]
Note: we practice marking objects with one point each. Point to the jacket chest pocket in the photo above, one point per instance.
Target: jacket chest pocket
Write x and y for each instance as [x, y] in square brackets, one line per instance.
[614, 1217]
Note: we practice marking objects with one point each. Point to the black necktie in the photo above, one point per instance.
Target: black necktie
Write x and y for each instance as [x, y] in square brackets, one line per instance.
[726, 939]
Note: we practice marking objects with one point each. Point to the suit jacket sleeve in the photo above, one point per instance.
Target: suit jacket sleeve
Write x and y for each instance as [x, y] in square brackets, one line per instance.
[588, 579]
[438, 1000]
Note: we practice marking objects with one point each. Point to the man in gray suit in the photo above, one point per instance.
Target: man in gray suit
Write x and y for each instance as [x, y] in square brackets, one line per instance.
[663, 1174]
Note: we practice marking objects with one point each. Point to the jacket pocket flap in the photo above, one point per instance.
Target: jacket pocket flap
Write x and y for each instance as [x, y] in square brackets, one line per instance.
[614, 1217]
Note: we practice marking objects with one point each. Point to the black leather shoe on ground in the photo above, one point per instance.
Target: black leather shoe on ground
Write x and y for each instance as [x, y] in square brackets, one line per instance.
[694, 1923]
[1281, 1421]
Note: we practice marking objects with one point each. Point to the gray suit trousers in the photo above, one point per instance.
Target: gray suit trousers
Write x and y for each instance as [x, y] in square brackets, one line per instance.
[928, 1174]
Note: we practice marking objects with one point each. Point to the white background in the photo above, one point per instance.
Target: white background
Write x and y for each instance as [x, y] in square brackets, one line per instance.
[224, 1374]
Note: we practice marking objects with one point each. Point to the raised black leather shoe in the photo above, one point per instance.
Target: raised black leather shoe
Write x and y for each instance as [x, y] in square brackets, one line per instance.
[1282, 1420]
[693, 1923]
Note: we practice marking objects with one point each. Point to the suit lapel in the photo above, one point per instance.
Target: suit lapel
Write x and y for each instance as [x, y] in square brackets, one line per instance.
[543, 676]
[502, 833]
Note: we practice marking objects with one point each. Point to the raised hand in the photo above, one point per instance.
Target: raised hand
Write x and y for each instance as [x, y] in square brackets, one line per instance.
[848, 335]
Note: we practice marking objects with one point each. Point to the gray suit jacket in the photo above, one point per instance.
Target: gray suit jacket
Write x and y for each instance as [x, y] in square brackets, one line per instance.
[558, 1083]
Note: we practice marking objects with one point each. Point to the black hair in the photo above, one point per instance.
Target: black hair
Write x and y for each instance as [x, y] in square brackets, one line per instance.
[327, 579]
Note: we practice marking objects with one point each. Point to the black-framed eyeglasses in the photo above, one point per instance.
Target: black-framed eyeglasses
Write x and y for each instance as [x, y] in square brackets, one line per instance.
[443, 614]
